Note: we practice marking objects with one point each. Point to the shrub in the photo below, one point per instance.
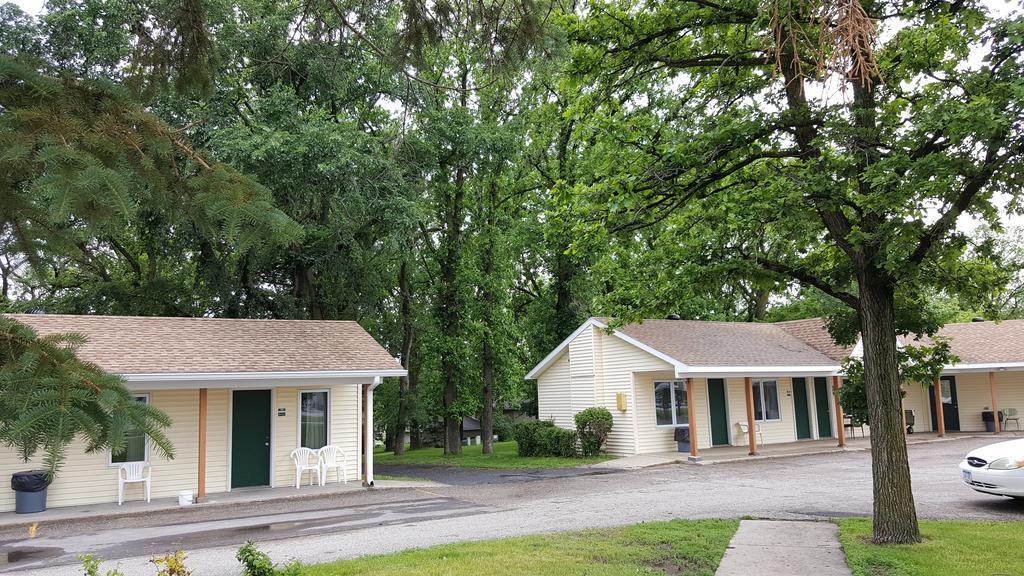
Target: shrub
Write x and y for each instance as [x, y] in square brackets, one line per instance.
[526, 435]
[91, 565]
[172, 565]
[256, 562]
[505, 426]
[593, 426]
[555, 441]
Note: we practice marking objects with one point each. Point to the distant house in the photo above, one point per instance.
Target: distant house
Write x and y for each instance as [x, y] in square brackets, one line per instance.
[265, 388]
[649, 374]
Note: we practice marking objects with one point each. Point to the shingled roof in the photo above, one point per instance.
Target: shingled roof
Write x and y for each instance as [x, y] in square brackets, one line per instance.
[157, 345]
[702, 343]
[986, 342]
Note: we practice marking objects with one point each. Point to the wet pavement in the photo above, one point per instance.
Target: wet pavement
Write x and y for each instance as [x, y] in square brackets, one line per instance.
[117, 543]
[337, 526]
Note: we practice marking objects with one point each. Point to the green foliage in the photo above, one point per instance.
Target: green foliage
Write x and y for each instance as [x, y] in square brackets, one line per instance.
[559, 442]
[543, 438]
[48, 397]
[593, 426]
[255, 562]
[172, 564]
[919, 364]
[91, 566]
[527, 435]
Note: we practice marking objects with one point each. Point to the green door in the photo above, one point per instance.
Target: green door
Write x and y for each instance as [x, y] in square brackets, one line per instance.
[250, 438]
[803, 414]
[821, 405]
[719, 415]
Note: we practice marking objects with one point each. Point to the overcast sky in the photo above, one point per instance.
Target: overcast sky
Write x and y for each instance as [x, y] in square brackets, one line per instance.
[997, 7]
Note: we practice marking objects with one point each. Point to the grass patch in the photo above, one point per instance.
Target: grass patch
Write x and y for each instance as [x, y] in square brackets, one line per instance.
[473, 457]
[399, 478]
[949, 547]
[679, 547]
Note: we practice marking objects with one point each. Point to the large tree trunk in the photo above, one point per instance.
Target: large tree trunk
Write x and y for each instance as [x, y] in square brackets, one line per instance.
[895, 517]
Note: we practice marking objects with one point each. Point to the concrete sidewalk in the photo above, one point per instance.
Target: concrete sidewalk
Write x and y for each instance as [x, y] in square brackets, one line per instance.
[783, 548]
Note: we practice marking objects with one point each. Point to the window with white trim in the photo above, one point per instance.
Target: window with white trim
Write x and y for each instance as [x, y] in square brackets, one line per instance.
[766, 400]
[313, 419]
[670, 408]
[136, 448]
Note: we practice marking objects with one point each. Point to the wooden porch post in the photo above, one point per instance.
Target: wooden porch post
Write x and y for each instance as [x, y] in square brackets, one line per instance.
[691, 418]
[940, 418]
[748, 383]
[837, 383]
[201, 490]
[992, 391]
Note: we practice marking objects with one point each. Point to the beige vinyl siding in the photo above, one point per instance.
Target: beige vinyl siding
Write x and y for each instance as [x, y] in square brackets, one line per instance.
[772, 431]
[582, 389]
[343, 403]
[973, 394]
[702, 410]
[554, 393]
[88, 479]
[629, 370]
[1010, 393]
[916, 399]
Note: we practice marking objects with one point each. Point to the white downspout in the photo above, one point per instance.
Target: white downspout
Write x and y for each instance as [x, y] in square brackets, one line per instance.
[368, 444]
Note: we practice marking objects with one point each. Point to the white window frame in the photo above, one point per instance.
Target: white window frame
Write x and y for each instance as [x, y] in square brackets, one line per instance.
[298, 415]
[759, 390]
[672, 398]
[110, 454]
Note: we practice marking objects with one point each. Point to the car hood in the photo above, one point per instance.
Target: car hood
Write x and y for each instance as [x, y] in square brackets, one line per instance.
[999, 450]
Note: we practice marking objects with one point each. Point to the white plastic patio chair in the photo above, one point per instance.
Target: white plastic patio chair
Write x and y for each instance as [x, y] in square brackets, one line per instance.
[133, 472]
[305, 459]
[1011, 415]
[336, 458]
[757, 428]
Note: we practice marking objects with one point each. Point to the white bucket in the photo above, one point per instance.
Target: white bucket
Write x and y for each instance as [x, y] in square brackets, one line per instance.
[185, 498]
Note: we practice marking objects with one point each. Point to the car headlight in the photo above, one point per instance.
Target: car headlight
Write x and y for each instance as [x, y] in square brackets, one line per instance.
[1007, 463]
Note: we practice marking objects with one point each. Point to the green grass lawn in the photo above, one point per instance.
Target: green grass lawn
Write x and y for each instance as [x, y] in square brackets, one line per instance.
[683, 547]
[949, 547]
[473, 457]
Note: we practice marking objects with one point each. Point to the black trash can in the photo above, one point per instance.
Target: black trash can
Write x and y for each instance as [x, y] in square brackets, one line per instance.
[30, 491]
[682, 438]
[988, 417]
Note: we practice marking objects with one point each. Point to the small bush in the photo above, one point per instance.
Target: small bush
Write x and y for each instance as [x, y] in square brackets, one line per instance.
[256, 562]
[505, 426]
[593, 426]
[91, 565]
[172, 564]
[554, 441]
[526, 434]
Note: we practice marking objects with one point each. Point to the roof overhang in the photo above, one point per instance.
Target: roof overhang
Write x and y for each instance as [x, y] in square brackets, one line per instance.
[256, 380]
[965, 368]
[757, 371]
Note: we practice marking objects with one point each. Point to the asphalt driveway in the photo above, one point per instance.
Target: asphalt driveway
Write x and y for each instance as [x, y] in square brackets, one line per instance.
[817, 486]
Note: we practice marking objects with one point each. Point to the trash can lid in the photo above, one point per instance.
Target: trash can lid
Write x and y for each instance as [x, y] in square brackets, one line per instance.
[30, 481]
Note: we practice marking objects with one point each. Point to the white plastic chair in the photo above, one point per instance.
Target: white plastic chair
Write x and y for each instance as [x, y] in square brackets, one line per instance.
[1011, 415]
[328, 456]
[132, 472]
[757, 428]
[306, 459]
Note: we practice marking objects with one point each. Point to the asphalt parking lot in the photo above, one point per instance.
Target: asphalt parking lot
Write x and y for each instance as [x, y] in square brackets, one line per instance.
[816, 486]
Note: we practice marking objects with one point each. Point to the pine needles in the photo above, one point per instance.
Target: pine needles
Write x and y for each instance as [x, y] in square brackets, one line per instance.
[48, 397]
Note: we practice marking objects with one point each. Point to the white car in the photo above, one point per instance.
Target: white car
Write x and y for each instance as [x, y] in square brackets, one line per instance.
[996, 469]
